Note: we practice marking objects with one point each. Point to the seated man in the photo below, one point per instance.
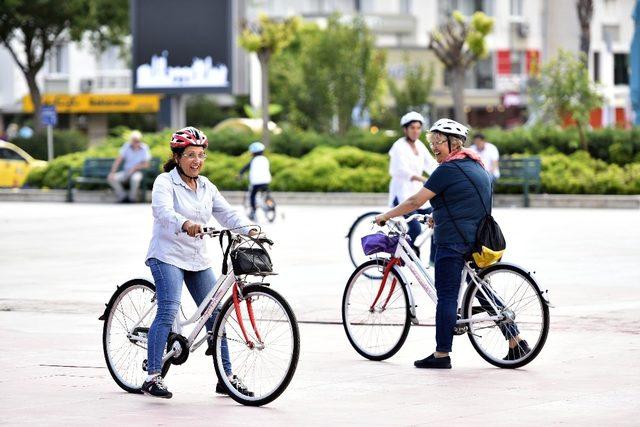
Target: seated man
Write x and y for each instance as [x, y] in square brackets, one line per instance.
[135, 157]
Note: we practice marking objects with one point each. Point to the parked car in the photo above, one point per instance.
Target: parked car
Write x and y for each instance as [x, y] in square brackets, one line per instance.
[15, 165]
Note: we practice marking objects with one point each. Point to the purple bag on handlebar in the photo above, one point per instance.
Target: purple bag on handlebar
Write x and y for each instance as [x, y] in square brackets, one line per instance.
[379, 242]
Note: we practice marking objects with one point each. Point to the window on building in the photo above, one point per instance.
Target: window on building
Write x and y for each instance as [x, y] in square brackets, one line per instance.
[480, 76]
[111, 59]
[596, 67]
[621, 69]
[610, 33]
[484, 73]
[467, 7]
[517, 62]
[405, 6]
[516, 8]
[58, 59]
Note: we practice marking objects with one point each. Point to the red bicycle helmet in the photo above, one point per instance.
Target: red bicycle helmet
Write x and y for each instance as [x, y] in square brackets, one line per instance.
[189, 136]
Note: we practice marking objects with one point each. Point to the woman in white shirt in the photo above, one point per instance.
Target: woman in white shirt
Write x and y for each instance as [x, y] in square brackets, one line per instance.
[183, 202]
[409, 158]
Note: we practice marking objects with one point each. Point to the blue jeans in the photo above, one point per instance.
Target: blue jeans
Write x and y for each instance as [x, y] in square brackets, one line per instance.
[168, 279]
[415, 229]
[449, 263]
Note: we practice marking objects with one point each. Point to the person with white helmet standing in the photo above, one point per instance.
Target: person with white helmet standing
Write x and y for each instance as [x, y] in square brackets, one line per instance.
[259, 173]
[460, 193]
[409, 158]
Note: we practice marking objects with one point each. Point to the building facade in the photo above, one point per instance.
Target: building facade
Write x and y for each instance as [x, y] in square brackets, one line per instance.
[86, 85]
[526, 33]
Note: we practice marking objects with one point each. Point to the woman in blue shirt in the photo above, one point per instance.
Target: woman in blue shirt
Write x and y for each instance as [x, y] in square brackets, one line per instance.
[457, 214]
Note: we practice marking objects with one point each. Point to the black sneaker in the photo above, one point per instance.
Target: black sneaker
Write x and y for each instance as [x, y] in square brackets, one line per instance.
[156, 388]
[433, 362]
[237, 384]
[519, 351]
[209, 350]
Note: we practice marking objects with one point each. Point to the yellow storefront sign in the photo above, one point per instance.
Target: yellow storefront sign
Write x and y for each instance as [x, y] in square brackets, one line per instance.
[96, 103]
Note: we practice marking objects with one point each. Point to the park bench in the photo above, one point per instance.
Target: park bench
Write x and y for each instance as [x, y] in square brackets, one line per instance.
[95, 171]
[521, 172]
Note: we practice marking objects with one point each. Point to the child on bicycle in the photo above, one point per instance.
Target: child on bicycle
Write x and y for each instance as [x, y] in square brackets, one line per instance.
[259, 174]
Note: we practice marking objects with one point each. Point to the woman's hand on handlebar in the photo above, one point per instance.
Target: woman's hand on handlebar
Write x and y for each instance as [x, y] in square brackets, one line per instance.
[381, 219]
[191, 228]
[430, 222]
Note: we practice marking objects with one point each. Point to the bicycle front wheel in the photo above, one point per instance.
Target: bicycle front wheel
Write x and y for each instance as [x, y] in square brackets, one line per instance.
[262, 340]
[375, 315]
[523, 312]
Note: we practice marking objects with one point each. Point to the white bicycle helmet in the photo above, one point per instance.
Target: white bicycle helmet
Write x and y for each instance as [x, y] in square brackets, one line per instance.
[411, 116]
[450, 127]
[256, 147]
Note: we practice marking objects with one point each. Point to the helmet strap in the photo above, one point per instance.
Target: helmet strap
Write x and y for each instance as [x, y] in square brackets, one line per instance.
[181, 172]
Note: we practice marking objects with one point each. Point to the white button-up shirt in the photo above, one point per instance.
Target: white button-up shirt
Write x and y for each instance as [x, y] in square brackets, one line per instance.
[403, 164]
[173, 203]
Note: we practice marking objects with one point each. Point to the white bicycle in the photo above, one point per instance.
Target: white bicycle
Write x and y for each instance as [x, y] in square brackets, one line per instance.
[496, 304]
[256, 326]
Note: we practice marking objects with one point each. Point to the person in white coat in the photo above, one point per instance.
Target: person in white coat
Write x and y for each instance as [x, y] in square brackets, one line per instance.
[409, 159]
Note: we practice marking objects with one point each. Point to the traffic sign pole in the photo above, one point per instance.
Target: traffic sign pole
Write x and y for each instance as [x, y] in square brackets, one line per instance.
[50, 142]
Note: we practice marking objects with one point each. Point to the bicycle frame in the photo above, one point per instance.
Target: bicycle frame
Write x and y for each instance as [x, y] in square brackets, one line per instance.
[203, 312]
[405, 256]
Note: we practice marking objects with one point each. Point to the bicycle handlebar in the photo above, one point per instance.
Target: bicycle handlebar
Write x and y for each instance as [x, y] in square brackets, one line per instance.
[419, 217]
[213, 232]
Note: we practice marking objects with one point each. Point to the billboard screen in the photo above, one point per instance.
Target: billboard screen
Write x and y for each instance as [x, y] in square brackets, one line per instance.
[181, 46]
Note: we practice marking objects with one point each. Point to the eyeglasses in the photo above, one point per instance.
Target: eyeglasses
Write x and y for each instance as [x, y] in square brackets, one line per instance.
[432, 139]
[193, 156]
[436, 143]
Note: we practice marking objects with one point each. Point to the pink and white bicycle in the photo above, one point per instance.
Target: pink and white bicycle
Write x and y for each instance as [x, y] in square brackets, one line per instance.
[497, 305]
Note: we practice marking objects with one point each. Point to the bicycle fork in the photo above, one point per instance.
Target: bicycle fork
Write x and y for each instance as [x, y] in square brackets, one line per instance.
[394, 282]
[236, 304]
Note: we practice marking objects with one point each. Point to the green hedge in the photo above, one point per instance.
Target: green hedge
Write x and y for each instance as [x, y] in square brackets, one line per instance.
[579, 173]
[357, 161]
[352, 169]
[612, 145]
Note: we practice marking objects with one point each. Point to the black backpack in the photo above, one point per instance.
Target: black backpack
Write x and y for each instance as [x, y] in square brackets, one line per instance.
[490, 244]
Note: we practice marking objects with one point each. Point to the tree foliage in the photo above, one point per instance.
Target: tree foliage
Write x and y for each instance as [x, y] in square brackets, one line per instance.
[266, 37]
[325, 73]
[458, 44]
[565, 91]
[30, 29]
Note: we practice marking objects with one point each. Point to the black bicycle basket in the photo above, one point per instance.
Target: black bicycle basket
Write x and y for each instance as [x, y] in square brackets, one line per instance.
[253, 260]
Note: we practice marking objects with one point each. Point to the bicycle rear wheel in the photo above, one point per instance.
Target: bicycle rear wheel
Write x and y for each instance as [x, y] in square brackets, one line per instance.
[266, 358]
[376, 318]
[269, 207]
[127, 318]
[521, 304]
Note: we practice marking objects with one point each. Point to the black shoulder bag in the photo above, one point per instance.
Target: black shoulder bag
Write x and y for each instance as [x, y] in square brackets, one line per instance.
[490, 244]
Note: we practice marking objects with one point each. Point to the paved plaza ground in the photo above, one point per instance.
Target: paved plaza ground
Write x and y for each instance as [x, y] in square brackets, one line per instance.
[59, 263]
